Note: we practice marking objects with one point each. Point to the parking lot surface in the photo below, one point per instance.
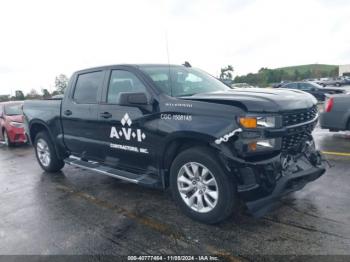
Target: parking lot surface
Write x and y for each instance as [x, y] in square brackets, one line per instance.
[80, 212]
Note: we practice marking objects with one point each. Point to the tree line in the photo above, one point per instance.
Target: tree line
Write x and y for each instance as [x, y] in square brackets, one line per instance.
[266, 76]
[61, 83]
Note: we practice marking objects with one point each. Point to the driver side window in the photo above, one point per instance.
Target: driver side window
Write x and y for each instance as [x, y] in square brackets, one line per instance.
[122, 81]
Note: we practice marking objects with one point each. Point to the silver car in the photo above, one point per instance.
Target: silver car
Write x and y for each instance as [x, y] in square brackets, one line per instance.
[336, 115]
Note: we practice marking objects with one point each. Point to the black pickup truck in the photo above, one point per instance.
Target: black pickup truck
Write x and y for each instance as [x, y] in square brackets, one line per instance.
[175, 126]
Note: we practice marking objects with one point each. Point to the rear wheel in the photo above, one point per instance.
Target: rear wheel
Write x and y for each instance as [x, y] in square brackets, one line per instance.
[201, 187]
[46, 154]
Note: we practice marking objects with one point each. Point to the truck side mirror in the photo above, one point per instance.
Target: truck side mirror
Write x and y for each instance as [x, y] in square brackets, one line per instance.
[133, 98]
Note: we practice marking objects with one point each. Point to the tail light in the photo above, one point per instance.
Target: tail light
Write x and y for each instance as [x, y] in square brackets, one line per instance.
[329, 104]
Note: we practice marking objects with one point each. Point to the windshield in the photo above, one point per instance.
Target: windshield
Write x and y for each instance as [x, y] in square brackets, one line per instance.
[13, 109]
[183, 81]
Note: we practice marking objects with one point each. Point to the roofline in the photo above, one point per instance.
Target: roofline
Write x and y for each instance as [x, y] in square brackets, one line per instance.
[106, 67]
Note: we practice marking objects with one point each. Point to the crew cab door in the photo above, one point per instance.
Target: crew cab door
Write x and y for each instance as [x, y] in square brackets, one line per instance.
[126, 130]
[79, 114]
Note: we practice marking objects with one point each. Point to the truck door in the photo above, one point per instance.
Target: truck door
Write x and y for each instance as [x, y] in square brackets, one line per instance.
[127, 132]
[79, 114]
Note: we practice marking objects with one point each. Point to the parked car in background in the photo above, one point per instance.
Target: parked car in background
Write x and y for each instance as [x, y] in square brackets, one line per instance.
[339, 81]
[57, 97]
[242, 85]
[314, 89]
[11, 123]
[336, 115]
[279, 84]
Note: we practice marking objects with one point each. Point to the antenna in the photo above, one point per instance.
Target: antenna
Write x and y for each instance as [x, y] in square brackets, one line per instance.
[168, 58]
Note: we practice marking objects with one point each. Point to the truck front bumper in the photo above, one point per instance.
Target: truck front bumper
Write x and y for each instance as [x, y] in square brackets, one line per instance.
[285, 185]
[263, 183]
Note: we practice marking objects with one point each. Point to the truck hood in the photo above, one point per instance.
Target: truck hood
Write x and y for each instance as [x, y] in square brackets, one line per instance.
[260, 99]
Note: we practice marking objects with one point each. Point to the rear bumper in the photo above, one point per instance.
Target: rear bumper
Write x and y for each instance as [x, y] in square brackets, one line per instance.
[334, 121]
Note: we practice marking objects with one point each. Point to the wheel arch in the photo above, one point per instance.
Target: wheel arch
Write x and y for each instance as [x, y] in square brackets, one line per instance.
[177, 144]
[35, 127]
[38, 126]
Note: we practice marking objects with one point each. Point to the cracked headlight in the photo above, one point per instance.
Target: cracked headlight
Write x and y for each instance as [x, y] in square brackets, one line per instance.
[262, 145]
[266, 121]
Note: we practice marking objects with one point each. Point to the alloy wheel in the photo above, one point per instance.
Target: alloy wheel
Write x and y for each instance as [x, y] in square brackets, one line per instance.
[43, 152]
[198, 187]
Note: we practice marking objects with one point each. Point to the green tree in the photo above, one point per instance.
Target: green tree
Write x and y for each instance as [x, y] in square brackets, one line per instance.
[33, 94]
[19, 95]
[46, 93]
[296, 75]
[226, 73]
[61, 83]
[4, 98]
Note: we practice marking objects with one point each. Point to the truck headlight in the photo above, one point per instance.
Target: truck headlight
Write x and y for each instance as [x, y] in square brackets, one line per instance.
[256, 122]
[261, 145]
[266, 121]
[16, 124]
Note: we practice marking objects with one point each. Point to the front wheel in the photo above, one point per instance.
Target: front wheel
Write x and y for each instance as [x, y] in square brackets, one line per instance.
[46, 154]
[201, 187]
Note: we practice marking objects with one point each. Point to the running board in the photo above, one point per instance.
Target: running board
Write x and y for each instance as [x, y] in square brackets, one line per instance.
[142, 179]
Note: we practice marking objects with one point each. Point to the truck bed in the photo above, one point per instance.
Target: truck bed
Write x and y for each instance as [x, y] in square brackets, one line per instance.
[44, 111]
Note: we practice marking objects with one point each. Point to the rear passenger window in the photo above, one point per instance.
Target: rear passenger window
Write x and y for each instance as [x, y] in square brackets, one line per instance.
[123, 81]
[87, 86]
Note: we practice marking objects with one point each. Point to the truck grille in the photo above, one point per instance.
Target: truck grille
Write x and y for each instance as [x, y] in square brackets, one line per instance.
[298, 135]
[300, 116]
[293, 142]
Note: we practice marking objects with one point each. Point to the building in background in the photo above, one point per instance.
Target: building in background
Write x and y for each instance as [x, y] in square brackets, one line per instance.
[344, 70]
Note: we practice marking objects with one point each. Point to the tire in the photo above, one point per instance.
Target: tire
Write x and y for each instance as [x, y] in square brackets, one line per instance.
[227, 200]
[7, 141]
[46, 154]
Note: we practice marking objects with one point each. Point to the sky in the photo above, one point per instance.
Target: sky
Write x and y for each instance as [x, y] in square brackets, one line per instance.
[41, 39]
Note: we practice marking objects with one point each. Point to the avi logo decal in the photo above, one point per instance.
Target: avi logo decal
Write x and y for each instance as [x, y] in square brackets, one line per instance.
[126, 131]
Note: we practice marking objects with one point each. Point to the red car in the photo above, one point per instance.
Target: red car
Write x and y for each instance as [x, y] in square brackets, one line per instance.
[11, 123]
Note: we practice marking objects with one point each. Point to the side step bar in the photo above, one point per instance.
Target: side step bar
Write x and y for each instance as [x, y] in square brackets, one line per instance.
[142, 179]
